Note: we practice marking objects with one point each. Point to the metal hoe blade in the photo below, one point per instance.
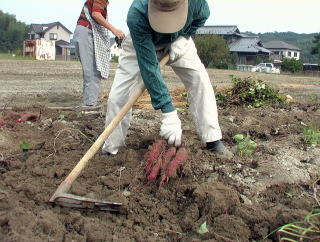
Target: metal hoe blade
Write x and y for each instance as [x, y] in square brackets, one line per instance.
[73, 201]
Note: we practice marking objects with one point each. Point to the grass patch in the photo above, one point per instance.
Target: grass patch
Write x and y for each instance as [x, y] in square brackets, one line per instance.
[6, 56]
[311, 135]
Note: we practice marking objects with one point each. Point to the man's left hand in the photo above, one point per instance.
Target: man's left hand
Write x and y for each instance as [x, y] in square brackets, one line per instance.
[171, 128]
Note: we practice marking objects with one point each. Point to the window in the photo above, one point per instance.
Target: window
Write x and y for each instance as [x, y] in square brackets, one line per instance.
[295, 54]
[32, 36]
[276, 52]
[53, 36]
[289, 53]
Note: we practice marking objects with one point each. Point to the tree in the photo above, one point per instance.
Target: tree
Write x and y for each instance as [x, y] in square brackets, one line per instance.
[291, 65]
[316, 48]
[213, 51]
[12, 33]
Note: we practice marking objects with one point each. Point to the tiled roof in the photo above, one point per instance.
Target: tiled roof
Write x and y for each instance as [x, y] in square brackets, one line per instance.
[62, 43]
[250, 44]
[219, 30]
[42, 28]
[277, 44]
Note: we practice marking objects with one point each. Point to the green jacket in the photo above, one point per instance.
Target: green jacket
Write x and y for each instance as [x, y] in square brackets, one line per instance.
[145, 39]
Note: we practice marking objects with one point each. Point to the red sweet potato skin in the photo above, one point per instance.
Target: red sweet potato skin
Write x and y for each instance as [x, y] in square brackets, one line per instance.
[2, 123]
[153, 155]
[167, 158]
[163, 161]
[27, 116]
[155, 170]
[18, 117]
[180, 158]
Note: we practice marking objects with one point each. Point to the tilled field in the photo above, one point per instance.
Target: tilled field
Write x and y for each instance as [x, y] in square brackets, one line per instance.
[244, 199]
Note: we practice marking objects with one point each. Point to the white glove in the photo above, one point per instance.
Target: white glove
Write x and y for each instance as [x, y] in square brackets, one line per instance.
[178, 48]
[171, 128]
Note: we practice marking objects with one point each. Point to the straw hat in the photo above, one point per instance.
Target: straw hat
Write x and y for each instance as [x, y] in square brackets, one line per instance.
[167, 16]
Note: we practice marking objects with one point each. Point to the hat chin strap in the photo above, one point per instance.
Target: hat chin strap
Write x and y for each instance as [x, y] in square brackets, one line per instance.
[166, 6]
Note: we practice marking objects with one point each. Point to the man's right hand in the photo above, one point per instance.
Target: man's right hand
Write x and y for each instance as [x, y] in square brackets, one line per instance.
[171, 128]
[119, 33]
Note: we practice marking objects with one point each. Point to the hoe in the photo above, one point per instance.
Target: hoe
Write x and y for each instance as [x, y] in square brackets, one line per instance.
[62, 197]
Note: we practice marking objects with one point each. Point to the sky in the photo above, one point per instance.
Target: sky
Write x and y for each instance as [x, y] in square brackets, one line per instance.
[258, 16]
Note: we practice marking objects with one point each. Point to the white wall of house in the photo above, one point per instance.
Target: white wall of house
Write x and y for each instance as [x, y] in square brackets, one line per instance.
[57, 33]
[45, 49]
[114, 50]
[292, 54]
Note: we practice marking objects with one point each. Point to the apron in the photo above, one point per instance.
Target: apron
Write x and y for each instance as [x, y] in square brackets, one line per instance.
[101, 42]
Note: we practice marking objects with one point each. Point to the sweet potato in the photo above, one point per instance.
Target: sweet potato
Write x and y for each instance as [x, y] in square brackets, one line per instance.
[180, 158]
[2, 123]
[12, 116]
[27, 117]
[166, 160]
[155, 170]
[153, 155]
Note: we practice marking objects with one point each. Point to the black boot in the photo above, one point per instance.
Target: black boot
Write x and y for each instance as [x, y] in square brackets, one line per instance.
[219, 148]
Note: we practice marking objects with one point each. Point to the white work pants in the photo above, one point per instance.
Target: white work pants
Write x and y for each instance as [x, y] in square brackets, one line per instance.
[193, 75]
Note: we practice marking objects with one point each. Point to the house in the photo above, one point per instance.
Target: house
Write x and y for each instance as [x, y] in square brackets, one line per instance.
[114, 49]
[282, 49]
[50, 33]
[247, 49]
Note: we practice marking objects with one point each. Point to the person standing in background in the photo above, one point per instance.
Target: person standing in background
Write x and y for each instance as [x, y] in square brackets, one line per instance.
[92, 45]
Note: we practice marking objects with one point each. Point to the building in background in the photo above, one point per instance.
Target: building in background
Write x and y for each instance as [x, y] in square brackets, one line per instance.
[115, 50]
[48, 42]
[247, 49]
[282, 49]
[41, 49]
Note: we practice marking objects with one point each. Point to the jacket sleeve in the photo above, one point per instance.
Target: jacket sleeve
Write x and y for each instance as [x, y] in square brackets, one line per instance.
[149, 65]
[200, 17]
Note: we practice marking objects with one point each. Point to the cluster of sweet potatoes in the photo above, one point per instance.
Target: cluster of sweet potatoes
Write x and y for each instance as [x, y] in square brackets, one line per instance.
[164, 161]
[17, 117]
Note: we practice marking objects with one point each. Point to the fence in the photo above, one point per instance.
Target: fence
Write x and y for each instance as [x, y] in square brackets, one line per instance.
[66, 58]
[245, 67]
[311, 73]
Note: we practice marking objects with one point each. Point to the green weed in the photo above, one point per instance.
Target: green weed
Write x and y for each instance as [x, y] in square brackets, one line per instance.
[245, 145]
[311, 135]
[306, 230]
[24, 146]
[203, 228]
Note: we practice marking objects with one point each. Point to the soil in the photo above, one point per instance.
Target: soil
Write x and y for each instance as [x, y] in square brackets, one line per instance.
[243, 199]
